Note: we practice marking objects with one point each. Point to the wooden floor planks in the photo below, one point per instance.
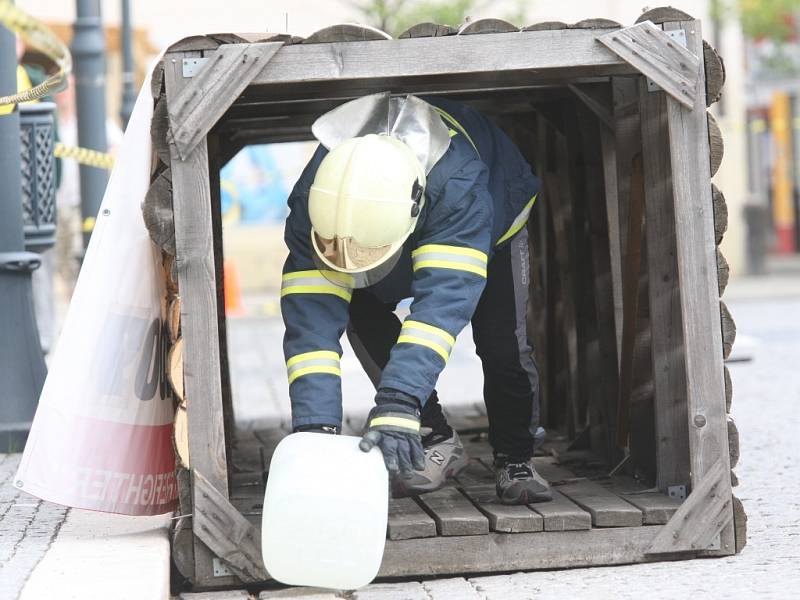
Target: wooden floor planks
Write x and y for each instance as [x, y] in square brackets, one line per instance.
[606, 508]
[407, 520]
[454, 513]
[502, 517]
[469, 505]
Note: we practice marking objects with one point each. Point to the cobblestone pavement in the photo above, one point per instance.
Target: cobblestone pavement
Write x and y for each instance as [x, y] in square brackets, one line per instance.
[28, 527]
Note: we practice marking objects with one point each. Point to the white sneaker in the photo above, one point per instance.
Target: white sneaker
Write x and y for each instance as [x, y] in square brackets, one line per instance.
[443, 459]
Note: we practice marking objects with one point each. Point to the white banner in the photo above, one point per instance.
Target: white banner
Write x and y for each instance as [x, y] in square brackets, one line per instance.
[102, 435]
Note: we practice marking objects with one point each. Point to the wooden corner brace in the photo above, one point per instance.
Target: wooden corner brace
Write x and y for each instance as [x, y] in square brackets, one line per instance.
[655, 54]
[226, 532]
[701, 517]
[202, 102]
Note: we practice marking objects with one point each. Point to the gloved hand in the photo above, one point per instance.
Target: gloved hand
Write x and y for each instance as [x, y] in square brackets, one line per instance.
[393, 426]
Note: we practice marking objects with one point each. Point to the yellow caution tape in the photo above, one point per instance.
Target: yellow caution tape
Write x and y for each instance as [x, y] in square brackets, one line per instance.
[84, 156]
[38, 36]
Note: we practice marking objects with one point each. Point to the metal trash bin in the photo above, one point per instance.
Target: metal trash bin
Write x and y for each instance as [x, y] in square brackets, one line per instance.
[37, 142]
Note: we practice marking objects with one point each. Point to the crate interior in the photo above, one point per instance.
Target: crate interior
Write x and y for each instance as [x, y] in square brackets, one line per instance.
[573, 318]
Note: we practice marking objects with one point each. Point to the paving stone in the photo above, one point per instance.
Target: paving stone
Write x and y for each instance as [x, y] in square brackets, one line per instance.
[221, 595]
[304, 593]
[450, 589]
[392, 591]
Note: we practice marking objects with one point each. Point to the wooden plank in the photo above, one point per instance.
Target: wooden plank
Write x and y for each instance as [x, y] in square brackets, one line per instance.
[543, 52]
[720, 213]
[196, 277]
[487, 26]
[407, 520]
[699, 295]
[728, 329]
[427, 30]
[503, 517]
[197, 107]
[723, 272]
[606, 508]
[669, 375]
[595, 98]
[157, 212]
[226, 532]
[562, 514]
[701, 517]
[715, 73]
[652, 52]
[657, 508]
[346, 32]
[522, 551]
[604, 392]
[453, 513]
[631, 271]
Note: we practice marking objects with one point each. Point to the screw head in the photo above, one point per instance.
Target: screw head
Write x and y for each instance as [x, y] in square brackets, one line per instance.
[699, 421]
[18, 483]
[106, 212]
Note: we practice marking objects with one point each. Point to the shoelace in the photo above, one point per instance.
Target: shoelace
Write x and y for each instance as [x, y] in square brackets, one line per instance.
[519, 470]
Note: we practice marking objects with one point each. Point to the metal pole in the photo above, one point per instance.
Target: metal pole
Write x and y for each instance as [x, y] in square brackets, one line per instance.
[128, 91]
[22, 367]
[88, 53]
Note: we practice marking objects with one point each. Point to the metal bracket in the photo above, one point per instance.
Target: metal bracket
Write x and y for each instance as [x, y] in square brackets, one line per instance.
[677, 491]
[192, 66]
[20, 262]
[678, 35]
[220, 568]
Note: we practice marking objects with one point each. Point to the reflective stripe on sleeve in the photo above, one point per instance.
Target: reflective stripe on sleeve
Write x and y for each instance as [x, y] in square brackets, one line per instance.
[315, 282]
[449, 257]
[422, 334]
[319, 361]
[518, 223]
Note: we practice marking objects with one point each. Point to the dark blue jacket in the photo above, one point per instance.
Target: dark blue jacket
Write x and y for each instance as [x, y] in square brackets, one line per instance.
[477, 196]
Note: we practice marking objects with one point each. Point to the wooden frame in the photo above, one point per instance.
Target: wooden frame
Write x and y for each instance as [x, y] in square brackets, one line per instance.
[681, 340]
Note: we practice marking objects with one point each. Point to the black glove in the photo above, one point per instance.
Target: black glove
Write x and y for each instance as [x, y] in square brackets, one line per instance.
[393, 426]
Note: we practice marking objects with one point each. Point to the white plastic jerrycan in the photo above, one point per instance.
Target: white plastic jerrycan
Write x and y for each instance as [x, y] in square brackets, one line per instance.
[325, 511]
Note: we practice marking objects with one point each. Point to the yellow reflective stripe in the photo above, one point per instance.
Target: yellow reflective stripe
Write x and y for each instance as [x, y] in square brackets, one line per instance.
[518, 223]
[444, 264]
[318, 369]
[460, 250]
[342, 278]
[450, 119]
[316, 361]
[312, 355]
[318, 289]
[430, 328]
[410, 339]
[395, 422]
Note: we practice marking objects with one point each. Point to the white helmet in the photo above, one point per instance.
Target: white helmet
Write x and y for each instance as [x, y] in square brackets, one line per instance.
[364, 203]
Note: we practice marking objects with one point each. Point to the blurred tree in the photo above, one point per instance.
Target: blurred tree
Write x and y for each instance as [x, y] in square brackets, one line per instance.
[774, 20]
[395, 16]
[771, 20]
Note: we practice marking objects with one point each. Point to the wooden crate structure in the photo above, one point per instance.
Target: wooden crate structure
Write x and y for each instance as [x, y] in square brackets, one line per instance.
[626, 282]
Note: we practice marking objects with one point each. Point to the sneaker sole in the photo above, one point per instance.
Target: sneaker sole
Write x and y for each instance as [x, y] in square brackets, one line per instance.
[452, 471]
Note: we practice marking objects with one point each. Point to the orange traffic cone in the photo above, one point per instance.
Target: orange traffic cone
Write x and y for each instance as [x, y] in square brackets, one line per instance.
[233, 291]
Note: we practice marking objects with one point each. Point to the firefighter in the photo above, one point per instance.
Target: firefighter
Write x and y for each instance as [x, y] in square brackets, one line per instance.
[423, 199]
